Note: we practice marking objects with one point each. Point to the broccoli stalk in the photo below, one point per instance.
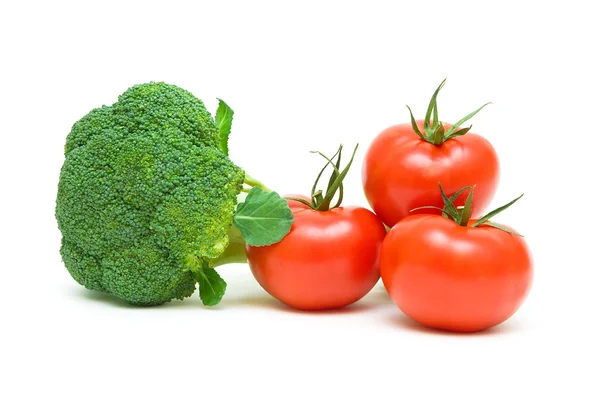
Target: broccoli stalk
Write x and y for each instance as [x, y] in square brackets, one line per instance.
[250, 181]
[147, 199]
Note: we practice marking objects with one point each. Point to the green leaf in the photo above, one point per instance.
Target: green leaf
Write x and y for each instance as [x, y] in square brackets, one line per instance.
[436, 119]
[465, 213]
[448, 205]
[456, 194]
[460, 132]
[340, 196]
[314, 193]
[319, 199]
[336, 167]
[492, 224]
[212, 286]
[433, 107]
[223, 119]
[498, 210]
[337, 183]
[414, 125]
[453, 199]
[463, 120]
[263, 218]
[300, 200]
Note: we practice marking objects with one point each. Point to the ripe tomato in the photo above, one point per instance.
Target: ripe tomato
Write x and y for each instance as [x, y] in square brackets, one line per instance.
[401, 171]
[328, 260]
[454, 277]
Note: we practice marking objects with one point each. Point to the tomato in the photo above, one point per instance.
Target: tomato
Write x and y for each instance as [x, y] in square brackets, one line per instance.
[458, 278]
[401, 171]
[329, 259]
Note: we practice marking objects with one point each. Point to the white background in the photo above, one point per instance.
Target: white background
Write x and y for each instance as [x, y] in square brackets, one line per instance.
[303, 77]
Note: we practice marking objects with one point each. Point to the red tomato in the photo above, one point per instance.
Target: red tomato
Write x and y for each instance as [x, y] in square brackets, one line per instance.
[401, 172]
[454, 277]
[328, 260]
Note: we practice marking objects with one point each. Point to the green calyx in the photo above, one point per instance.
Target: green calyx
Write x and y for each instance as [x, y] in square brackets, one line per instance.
[321, 200]
[434, 130]
[462, 214]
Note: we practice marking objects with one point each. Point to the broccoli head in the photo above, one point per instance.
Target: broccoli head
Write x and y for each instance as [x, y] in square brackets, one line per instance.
[143, 190]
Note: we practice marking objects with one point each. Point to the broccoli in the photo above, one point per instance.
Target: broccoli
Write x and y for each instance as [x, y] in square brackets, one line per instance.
[147, 198]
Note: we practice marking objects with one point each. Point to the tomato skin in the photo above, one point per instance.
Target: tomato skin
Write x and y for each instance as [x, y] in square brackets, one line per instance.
[401, 172]
[328, 260]
[455, 278]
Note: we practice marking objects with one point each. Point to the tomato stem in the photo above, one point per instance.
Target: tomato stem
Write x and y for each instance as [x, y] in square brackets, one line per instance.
[438, 135]
[462, 214]
[434, 131]
[465, 212]
[321, 201]
[314, 192]
[300, 200]
[485, 219]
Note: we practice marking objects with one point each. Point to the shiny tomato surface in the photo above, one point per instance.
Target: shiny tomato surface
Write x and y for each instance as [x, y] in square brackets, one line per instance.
[401, 172]
[329, 259]
[454, 277]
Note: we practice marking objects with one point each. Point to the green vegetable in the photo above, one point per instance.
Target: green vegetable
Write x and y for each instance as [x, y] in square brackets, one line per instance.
[147, 199]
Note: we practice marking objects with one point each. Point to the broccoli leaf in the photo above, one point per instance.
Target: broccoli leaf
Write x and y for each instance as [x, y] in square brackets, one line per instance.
[212, 286]
[224, 118]
[263, 218]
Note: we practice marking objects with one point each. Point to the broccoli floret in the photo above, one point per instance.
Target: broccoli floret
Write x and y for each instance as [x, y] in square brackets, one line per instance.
[145, 187]
[146, 108]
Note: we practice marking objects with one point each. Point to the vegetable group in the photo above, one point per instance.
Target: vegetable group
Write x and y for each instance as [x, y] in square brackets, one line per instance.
[149, 203]
[405, 162]
[147, 198]
[456, 273]
[329, 259]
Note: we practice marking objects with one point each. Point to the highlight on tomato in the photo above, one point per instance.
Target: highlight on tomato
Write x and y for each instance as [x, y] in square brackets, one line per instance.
[456, 273]
[330, 258]
[405, 162]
